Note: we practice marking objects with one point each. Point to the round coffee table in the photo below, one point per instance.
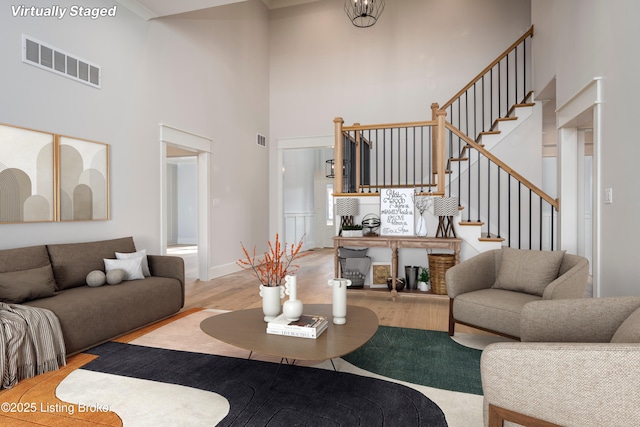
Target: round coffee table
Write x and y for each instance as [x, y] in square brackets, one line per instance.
[247, 329]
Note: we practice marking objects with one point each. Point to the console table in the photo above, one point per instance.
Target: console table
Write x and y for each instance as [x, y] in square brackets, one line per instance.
[394, 243]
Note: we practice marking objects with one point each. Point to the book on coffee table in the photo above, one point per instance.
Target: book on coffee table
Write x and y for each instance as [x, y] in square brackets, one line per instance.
[308, 326]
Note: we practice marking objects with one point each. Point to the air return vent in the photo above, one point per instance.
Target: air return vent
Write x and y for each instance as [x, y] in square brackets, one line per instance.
[52, 59]
[261, 140]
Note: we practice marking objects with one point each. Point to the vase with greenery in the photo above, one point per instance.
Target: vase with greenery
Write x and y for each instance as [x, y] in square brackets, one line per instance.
[271, 270]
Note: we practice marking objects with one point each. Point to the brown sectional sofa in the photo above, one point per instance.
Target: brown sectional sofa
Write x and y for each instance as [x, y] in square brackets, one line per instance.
[92, 315]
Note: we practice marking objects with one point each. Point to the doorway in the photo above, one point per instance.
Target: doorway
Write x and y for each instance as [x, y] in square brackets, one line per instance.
[579, 124]
[182, 207]
[177, 143]
[307, 208]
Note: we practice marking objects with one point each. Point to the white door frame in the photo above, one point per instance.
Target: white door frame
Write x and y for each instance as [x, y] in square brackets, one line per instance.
[588, 98]
[276, 204]
[202, 146]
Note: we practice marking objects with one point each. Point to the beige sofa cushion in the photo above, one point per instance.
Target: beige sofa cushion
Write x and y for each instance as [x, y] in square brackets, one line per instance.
[527, 271]
[629, 330]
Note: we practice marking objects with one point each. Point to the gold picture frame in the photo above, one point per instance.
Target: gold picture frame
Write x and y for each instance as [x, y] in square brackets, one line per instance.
[380, 272]
[27, 175]
[83, 179]
[45, 177]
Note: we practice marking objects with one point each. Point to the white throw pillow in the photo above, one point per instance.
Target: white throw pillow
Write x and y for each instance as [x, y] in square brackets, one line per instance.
[141, 253]
[132, 267]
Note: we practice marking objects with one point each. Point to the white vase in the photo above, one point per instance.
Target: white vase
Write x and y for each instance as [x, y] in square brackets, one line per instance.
[424, 286]
[421, 226]
[271, 301]
[292, 308]
[339, 300]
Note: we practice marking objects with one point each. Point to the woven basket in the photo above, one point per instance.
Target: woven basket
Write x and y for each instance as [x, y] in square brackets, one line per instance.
[438, 266]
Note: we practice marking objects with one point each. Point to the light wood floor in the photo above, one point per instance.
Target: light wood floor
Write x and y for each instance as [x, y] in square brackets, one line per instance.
[240, 290]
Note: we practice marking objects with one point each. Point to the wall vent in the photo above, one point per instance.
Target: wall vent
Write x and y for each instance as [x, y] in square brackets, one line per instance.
[261, 140]
[55, 60]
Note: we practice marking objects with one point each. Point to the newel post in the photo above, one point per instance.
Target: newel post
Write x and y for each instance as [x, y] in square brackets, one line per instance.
[358, 159]
[338, 161]
[441, 164]
[434, 136]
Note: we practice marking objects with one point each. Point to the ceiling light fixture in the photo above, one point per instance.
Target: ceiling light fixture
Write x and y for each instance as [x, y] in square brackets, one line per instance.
[363, 13]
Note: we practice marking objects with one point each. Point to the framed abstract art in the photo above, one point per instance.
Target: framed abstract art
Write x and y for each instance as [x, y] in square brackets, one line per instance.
[27, 175]
[48, 177]
[84, 179]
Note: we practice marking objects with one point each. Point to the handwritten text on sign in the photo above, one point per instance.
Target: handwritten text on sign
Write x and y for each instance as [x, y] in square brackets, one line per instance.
[396, 212]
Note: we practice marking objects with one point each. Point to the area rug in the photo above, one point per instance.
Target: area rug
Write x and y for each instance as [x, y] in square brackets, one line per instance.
[166, 401]
[269, 394]
[429, 358]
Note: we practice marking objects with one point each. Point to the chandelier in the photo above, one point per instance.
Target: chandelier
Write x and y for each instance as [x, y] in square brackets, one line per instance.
[363, 13]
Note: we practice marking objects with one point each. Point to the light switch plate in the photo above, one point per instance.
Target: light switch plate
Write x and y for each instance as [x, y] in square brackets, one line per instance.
[608, 196]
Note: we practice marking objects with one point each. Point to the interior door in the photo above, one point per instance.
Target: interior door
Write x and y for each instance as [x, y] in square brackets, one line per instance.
[323, 204]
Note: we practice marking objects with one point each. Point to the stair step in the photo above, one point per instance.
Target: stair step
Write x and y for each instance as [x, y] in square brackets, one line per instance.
[526, 104]
[458, 159]
[487, 132]
[463, 223]
[491, 238]
[503, 119]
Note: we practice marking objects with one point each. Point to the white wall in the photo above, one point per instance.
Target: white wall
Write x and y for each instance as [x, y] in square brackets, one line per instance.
[207, 75]
[419, 52]
[575, 41]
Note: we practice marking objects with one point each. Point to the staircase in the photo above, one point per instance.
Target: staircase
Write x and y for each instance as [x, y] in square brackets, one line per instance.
[453, 155]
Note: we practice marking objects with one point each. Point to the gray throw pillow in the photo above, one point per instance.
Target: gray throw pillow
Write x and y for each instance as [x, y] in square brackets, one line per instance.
[629, 330]
[352, 253]
[528, 271]
[26, 285]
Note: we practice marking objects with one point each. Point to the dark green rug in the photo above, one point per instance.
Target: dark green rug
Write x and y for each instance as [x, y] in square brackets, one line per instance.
[422, 357]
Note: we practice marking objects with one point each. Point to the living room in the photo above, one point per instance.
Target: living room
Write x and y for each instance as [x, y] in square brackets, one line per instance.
[228, 73]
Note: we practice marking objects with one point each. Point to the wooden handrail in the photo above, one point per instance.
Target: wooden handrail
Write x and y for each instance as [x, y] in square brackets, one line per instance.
[389, 125]
[553, 202]
[529, 33]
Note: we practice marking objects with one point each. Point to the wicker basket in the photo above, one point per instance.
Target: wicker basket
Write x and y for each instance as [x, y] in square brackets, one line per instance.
[438, 266]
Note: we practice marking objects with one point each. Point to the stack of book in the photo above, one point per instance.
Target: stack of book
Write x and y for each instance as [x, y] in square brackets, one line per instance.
[307, 327]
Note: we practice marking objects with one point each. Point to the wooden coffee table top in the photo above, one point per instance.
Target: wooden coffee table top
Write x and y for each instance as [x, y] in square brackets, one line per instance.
[248, 330]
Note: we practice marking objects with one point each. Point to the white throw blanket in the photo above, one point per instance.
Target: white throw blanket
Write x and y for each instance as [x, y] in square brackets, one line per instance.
[31, 342]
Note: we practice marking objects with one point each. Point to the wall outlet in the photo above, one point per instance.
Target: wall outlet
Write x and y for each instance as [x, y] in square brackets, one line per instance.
[608, 196]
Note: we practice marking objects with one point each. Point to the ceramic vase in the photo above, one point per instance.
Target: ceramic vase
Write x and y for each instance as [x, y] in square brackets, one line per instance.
[271, 301]
[421, 226]
[339, 295]
[292, 308]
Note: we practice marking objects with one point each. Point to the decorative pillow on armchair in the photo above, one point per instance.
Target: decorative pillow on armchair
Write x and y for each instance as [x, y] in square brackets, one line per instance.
[527, 271]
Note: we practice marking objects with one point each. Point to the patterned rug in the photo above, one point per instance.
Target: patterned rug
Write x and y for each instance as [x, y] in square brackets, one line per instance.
[177, 375]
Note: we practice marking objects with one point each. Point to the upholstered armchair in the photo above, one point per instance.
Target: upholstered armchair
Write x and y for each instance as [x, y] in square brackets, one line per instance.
[578, 365]
[490, 290]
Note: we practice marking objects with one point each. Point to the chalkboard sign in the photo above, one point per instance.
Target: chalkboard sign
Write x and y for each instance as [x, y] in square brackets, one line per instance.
[396, 212]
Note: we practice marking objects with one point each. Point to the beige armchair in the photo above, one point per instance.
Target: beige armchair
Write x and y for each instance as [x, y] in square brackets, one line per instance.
[578, 365]
[490, 290]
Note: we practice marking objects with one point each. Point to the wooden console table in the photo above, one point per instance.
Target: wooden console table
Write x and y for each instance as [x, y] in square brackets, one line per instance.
[394, 243]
